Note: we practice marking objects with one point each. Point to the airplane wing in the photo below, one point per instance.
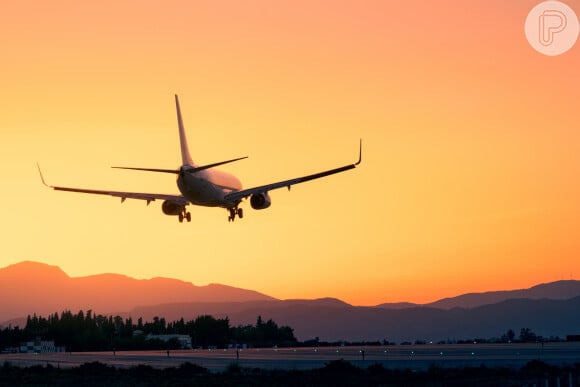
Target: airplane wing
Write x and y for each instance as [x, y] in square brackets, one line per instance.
[149, 197]
[239, 195]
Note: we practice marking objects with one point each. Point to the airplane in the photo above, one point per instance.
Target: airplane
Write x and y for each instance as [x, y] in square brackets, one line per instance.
[205, 186]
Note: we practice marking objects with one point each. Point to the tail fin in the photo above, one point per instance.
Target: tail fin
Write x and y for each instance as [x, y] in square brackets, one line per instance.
[185, 156]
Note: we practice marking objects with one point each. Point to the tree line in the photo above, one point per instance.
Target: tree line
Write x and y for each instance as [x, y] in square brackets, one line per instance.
[86, 331]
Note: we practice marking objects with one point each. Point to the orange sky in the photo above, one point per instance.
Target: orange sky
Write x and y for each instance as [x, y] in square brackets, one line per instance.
[471, 160]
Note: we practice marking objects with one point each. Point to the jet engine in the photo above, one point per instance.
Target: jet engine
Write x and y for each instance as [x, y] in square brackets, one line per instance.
[260, 201]
[172, 208]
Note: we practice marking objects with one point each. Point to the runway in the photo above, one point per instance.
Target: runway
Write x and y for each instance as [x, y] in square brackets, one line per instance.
[417, 357]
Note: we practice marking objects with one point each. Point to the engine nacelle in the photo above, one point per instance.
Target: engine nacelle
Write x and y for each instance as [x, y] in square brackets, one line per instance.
[260, 201]
[172, 208]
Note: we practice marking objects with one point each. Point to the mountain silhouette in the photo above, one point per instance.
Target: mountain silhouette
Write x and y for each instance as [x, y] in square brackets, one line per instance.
[38, 288]
[548, 309]
[339, 321]
[558, 290]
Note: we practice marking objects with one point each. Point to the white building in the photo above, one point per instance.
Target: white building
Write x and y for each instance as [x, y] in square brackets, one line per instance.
[40, 346]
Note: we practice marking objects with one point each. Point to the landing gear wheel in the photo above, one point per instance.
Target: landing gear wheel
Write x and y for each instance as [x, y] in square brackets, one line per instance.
[232, 216]
[240, 212]
[188, 216]
[180, 218]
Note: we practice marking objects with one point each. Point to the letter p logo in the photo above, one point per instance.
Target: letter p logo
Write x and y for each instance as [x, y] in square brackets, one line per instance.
[552, 28]
[552, 22]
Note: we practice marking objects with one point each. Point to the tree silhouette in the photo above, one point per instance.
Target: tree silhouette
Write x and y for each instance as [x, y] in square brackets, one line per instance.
[87, 331]
[527, 336]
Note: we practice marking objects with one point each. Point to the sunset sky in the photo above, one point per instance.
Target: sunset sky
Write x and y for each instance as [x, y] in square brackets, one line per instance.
[470, 179]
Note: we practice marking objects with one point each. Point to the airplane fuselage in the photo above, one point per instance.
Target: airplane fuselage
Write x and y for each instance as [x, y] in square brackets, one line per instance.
[207, 188]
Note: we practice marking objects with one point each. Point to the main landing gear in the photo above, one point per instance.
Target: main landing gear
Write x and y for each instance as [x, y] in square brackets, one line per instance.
[185, 215]
[235, 211]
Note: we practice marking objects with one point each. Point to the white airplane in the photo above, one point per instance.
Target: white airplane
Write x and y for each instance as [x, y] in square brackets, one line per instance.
[205, 186]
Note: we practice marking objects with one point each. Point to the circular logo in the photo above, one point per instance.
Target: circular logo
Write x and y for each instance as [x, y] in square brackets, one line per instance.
[552, 28]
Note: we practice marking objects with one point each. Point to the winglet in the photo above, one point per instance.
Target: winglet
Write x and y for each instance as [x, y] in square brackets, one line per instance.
[42, 177]
[359, 153]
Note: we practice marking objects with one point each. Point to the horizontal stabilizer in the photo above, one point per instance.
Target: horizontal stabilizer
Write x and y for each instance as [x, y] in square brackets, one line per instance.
[197, 169]
[174, 171]
[188, 169]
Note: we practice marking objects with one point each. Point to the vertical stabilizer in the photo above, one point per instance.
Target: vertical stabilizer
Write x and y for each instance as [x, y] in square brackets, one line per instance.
[185, 156]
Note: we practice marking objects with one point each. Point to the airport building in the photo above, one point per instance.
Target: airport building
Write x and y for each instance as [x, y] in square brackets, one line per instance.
[40, 346]
[184, 340]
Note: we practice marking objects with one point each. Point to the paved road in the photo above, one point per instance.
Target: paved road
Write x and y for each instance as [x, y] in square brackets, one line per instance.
[400, 356]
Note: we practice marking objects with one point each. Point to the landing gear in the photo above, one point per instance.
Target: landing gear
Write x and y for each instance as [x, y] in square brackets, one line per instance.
[235, 211]
[185, 215]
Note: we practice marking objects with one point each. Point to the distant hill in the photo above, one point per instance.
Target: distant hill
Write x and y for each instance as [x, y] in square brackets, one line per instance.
[398, 305]
[548, 309]
[31, 287]
[337, 321]
[559, 290]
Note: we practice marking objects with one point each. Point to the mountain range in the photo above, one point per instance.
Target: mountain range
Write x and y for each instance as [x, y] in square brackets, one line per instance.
[32, 287]
[551, 309]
